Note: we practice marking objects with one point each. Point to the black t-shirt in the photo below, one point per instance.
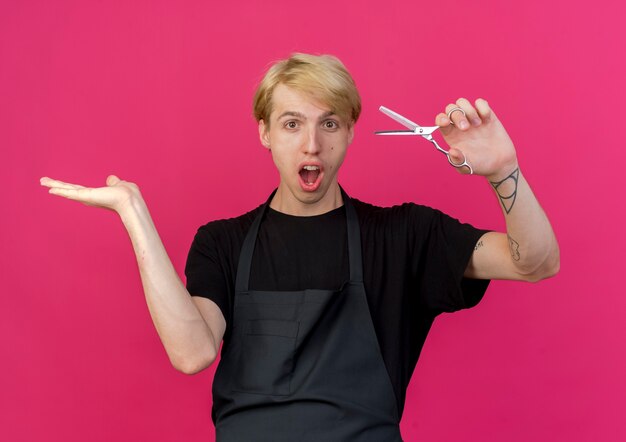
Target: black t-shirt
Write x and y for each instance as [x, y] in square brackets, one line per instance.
[414, 258]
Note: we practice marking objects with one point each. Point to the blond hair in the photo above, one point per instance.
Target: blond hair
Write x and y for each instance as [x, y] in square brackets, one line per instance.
[322, 77]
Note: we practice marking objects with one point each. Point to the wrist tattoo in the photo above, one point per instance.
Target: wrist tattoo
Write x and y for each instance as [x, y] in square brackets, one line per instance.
[514, 248]
[478, 245]
[507, 199]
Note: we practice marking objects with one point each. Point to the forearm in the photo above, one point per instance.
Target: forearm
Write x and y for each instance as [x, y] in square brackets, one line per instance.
[533, 248]
[184, 333]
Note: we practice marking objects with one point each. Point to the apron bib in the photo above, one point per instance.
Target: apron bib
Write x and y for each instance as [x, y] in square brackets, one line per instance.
[303, 365]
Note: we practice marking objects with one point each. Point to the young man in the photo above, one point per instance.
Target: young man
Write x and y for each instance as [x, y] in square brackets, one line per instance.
[323, 302]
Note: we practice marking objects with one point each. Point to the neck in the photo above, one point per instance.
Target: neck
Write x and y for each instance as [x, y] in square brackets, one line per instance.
[286, 202]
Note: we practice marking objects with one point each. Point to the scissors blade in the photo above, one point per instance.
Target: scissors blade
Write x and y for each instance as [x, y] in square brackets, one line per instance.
[416, 129]
[399, 118]
[395, 132]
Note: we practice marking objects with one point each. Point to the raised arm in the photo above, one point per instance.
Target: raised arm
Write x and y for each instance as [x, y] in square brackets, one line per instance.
[529, 250]
[190, 328]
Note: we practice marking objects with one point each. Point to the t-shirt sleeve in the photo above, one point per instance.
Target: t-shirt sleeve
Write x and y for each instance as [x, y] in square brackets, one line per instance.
[206, 270]
[447, 250]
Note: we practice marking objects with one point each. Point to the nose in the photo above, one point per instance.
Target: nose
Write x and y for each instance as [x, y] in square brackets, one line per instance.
[311, 143]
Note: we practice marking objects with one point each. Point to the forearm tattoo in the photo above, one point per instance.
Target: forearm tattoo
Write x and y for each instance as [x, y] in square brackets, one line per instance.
[507, 190]
[514, 247]
[478, 245]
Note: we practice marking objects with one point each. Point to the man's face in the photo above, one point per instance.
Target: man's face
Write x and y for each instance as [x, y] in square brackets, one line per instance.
[308, 144]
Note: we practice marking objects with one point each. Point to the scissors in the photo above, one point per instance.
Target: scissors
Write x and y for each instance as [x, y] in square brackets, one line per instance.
[416, 129]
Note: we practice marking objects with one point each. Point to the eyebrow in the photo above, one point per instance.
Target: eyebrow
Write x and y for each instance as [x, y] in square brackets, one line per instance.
[302, 116]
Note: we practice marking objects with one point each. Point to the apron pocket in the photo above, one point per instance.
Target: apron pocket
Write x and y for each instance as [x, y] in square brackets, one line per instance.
[267, 357]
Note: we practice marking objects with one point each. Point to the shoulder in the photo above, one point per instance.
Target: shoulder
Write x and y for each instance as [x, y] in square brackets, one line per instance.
[225, 231]
[395, 216]
[241, 222]
[411, 222]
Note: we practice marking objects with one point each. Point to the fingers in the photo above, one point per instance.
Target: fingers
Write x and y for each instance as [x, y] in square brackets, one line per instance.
[484, 110]
[442, 120]
[72, 194]
[470, 112]
[49, 182]
[463, 115]
[457, 117]
[111, 180]
[114, 195]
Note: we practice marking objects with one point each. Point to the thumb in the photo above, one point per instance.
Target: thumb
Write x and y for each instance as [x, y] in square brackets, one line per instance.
[112, 180]
[457, 158]
[456, 155]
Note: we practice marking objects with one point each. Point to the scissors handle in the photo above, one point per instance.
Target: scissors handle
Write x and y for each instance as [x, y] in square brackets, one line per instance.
[447, 154]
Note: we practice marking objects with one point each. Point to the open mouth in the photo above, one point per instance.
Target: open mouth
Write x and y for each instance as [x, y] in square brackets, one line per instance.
[310, 174]
[310, 177]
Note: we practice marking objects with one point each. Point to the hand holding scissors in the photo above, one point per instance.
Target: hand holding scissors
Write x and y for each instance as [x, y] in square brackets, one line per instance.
[426, 132]
[480, 144]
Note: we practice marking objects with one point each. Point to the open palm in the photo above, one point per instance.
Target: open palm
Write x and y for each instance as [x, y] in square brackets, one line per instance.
[115, 196]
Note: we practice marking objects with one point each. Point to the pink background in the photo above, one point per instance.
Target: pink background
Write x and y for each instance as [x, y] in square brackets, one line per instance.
[160, 93]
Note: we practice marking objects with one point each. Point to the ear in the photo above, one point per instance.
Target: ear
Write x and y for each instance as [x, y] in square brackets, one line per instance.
[351, 133]
[264, 135]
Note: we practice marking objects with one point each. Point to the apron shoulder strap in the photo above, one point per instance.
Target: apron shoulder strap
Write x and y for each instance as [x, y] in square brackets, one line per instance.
[247, 250]
[354, 239]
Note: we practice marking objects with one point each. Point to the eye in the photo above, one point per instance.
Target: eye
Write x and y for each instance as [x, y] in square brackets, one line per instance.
[331, 124]
[291, 124]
